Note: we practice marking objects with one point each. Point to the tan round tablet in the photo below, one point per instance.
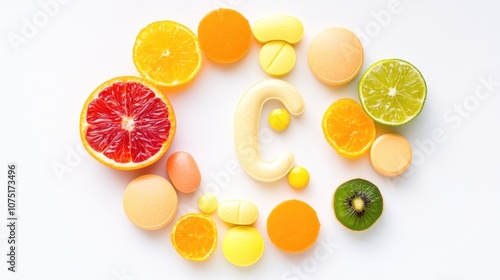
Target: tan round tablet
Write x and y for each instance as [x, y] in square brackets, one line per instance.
[390, 154]
[335, 56]
[150, 202]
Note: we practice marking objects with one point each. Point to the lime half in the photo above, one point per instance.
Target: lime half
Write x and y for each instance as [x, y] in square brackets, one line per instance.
[392, 92]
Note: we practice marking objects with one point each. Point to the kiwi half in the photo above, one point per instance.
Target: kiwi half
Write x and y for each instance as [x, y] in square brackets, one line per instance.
[357, 204]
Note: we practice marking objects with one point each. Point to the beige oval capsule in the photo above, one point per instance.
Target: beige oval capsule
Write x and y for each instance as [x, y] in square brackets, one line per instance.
[183, 172]
[150, 202]
[277, 58]
[238, 212]
[335, 56]
[390, 154]
[246, 128]
[278, 27]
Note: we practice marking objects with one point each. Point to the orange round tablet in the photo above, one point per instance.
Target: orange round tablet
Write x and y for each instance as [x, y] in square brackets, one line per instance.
[335, 56]
[293, 226]
[225, 35]
[150, 202]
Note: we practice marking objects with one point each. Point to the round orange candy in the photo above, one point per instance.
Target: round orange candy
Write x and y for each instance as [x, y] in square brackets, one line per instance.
[293, 226]
[225, 35]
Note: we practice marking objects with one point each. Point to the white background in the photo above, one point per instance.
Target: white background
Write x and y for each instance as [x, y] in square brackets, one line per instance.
[441, 218]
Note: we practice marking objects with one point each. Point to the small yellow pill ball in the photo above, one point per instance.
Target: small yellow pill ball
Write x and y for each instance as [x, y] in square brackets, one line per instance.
[298, 177]
[243, 245]
[208, 203]
[279, 119]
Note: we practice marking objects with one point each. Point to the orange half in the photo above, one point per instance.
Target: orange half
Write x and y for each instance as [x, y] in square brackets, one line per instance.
[167, 54]
[194, 236]
[348, 129]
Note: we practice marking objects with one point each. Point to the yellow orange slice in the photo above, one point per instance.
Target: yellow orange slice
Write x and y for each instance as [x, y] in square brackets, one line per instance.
[167, 54]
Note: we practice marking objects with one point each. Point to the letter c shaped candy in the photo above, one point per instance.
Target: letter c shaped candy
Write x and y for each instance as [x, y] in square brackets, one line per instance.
[246, 128]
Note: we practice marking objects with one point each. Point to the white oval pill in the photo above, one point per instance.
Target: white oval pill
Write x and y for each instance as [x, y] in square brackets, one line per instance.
[238, 212]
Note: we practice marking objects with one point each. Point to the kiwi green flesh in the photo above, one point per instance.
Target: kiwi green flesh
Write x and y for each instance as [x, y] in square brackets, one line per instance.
[357, 204]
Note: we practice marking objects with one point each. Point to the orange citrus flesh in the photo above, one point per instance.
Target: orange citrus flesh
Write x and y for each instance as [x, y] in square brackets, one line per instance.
[293, 226]
[127, 124]
[348, 129]
[194, 236]
[225, 35]
[167, 54]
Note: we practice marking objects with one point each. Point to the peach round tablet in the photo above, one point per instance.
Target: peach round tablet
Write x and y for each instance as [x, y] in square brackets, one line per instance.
[293, 226]
[225, 35]
[246, 128]
[243, 245]
[390, 154]
[277, 58]
[183, 172]
[150, 202]
[335, 56]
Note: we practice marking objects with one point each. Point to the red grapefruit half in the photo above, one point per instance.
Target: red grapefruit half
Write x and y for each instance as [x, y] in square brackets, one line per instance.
[126, 123]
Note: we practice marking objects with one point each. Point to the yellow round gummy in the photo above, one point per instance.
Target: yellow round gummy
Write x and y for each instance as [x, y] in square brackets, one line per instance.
[298, 177]
[208, 203]
[243, 245]
[277, 58]
[279, 119]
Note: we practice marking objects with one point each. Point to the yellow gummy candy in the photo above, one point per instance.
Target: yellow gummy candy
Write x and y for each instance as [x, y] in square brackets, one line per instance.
[243, 245]
[298, 177]
[207, 203]
[279, 119]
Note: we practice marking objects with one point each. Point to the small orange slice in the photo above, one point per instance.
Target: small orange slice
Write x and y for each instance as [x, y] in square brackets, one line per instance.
[167, 53]
[348, 129]
[194, 236]
[126, 123]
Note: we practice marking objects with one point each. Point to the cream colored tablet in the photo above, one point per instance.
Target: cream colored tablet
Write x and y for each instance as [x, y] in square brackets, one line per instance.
[238, 212]
[390, 154]
[335, 56]
[246, 128]
[150, 202]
